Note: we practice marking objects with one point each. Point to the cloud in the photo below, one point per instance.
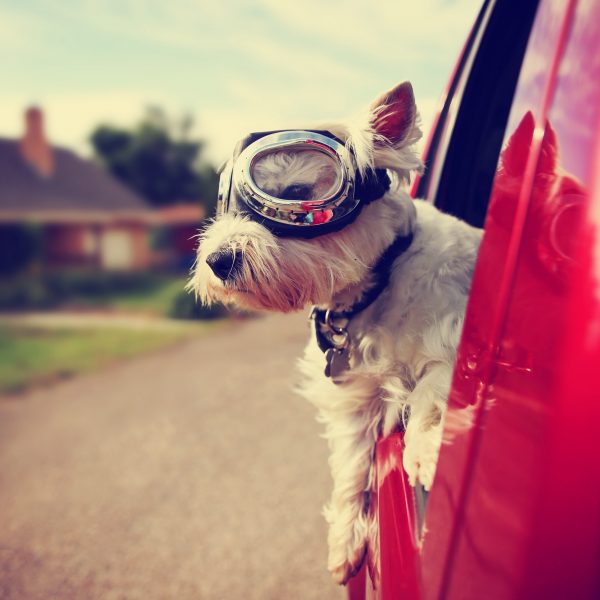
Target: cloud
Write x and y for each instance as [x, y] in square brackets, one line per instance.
[18, 33]
[177, 24]
[224, 127]
[379, 30]
[237, 65]
[71, 116]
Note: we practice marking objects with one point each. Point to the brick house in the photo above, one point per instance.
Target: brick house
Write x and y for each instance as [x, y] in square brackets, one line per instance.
[87, 217]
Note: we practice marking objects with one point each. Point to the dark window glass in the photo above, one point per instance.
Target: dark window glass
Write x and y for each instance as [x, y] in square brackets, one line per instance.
[469, 49]
[472, 153]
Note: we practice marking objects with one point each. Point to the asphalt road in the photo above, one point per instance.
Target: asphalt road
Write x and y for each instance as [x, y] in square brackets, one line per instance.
[192, 473]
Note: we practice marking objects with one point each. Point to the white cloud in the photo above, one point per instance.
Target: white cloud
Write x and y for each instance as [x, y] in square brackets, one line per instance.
[383, 30]
[71, 116]
[17, 32]
[224, 127]
[175, 24]
[269, 63]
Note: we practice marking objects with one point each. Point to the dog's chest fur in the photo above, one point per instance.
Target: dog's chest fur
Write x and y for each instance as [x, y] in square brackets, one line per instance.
[415, 322]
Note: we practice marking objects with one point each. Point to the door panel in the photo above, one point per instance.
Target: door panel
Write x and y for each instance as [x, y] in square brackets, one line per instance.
[503, 405]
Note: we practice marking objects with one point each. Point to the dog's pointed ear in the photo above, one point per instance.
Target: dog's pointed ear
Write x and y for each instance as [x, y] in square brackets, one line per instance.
[394, 114]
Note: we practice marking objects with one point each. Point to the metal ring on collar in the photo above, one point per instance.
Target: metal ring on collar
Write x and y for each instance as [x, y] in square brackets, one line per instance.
[336, 322]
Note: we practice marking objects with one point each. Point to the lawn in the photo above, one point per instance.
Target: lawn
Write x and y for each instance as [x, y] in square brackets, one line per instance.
[142, 292]
[36, 353]
[158, 300]
[156, 297]
[31, 355]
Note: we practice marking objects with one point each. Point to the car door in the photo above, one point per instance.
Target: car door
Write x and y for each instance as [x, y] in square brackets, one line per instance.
[527, 84]
[513, 512]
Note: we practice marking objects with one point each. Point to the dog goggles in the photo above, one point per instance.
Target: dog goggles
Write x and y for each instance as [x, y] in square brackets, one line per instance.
[297, 183]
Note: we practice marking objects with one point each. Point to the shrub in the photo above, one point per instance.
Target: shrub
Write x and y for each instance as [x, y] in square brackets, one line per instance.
[34, 292]
[22, 293]
[20, 245]
[185, 306]
[93, 284]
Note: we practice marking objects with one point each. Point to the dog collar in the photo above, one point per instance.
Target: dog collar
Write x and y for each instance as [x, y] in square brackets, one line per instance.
[331, 326]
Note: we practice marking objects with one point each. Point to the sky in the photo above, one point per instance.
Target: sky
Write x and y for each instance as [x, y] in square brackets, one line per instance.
[237, 66]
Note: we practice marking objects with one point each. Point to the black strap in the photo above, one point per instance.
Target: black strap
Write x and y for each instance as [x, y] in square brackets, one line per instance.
[369, 188]
[372, 186]
[382, 271]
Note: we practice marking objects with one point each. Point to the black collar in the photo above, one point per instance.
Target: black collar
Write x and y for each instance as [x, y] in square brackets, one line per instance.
[330, 326]
[381, 271]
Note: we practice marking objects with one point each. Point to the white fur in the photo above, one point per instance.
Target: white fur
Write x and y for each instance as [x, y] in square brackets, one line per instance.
[404, 354]
[403, 344]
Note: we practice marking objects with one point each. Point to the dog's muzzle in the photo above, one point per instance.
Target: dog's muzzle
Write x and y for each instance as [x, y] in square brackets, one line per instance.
[316, 201]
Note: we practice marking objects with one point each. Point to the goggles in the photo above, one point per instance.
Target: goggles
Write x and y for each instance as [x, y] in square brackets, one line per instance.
[297, 183]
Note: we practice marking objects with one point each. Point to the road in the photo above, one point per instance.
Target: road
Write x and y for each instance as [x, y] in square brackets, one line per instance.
[191, 473]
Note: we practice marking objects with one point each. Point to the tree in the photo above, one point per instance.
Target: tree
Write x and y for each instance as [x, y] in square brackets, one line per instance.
[158, 159]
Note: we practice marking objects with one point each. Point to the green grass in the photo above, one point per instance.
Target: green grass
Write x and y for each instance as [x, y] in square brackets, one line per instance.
[32, 355]
[156, 299]
[142, 292]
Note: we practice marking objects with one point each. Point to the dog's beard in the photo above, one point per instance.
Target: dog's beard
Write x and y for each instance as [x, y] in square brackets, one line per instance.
[275, 274]
[286, 274]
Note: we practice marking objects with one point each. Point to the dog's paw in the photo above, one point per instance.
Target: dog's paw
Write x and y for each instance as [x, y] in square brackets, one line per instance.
[345, 570]
[347, 544]
[420, 456]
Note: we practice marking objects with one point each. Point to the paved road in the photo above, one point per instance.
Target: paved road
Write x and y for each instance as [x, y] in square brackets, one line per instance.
[193, 473]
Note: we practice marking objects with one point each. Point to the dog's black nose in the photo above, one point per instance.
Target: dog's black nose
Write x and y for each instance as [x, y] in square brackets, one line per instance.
[224, 263]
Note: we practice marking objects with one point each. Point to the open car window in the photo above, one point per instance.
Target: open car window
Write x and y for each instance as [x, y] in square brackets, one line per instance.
[464, 148]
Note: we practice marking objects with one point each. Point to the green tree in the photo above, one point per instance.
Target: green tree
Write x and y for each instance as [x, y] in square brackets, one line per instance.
[158, 159]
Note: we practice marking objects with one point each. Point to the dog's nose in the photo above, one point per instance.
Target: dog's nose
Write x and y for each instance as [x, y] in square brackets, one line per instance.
[224, 263]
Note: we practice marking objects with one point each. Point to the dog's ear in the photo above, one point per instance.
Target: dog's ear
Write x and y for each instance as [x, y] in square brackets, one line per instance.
[394, 114]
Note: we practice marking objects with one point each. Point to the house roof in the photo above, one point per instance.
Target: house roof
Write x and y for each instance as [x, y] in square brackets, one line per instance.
[77, 190]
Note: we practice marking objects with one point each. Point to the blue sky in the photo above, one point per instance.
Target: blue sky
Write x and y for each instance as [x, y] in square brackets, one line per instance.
[236, 65]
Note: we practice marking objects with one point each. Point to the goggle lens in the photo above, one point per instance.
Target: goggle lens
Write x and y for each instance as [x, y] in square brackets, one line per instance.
[296, 174]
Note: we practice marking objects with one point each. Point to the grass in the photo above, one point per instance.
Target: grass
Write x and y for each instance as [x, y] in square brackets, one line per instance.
[32, 356]
[157, 299]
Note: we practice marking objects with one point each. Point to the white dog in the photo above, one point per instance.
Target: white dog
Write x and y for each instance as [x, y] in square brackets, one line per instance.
[398, 319]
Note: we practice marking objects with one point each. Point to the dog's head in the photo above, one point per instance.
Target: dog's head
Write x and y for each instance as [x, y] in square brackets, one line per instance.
[242, 261]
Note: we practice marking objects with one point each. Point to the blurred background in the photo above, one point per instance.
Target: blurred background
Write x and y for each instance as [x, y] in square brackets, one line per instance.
[150, 447]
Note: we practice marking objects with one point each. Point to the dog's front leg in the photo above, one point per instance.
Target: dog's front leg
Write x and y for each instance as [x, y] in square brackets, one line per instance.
[423, 435]
[352, 433]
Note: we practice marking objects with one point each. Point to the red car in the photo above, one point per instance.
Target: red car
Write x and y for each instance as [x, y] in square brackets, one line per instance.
[514, 511]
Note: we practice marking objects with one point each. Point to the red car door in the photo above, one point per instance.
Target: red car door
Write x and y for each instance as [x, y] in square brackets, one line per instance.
[514, 511]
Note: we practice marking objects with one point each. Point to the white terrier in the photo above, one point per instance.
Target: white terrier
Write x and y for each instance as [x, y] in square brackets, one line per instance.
[389, 278]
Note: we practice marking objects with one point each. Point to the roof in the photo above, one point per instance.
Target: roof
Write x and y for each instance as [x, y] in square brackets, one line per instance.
[78, 190]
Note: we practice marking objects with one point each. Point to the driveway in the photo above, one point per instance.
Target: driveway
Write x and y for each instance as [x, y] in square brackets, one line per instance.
[191, 473]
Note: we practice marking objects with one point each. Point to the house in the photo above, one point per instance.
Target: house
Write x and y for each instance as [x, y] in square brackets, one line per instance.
[85, 216]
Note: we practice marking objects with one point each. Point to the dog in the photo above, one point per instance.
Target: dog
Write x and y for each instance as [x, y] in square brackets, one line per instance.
[403, 263]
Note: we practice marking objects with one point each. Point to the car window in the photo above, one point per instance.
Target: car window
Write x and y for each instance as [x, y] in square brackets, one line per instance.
[464, 162]
[437, 143]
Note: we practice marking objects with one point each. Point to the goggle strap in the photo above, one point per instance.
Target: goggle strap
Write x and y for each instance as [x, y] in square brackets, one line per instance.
[372, 186]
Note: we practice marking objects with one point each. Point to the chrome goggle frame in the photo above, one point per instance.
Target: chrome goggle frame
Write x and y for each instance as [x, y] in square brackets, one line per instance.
[237, 183]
